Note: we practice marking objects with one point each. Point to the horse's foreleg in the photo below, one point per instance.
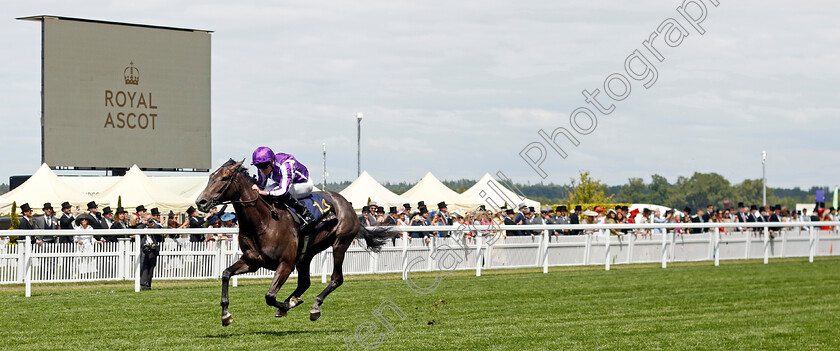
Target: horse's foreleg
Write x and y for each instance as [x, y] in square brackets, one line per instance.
[303, 283]
[336, 279]
[280, 275]
[238, 267]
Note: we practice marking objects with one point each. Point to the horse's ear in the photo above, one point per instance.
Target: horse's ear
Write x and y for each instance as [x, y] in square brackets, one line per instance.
[239, 164]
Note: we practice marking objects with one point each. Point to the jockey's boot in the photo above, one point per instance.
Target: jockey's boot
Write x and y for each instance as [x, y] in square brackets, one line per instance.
[306, 217]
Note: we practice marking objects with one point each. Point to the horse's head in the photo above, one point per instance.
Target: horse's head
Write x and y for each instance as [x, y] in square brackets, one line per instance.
[220, 187]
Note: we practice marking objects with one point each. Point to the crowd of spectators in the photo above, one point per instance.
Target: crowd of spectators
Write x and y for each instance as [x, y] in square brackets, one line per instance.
[374, 215]
[72, 218]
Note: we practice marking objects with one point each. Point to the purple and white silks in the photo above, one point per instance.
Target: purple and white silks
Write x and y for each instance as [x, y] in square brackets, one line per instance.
[285, 173]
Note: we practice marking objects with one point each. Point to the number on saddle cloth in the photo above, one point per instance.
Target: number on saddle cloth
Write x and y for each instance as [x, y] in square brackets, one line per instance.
[317, 205]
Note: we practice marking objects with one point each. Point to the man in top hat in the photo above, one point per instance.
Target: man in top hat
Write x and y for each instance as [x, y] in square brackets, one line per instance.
[420, 219]
[561, 216]
[194, 221]
[776, 216]
[138, 219]
[65, 222]
[391, 219]
[445, 217]
[93, 210]
[547, 217]
[26, 218]
[380, 215]
[106, 222]
[520, 217]
[364, 218]
[509, 220]
[46, 221]
[120, 222]
[407, 207]
[150, 249]
[574, 218]
[373, 207]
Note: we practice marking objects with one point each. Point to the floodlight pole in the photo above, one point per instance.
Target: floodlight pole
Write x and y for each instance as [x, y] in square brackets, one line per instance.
[358, 144]
[764, 177]
[324, 184]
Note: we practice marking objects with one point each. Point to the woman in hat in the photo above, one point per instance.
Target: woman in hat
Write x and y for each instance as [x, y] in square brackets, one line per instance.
[283, 177]
[84, 243]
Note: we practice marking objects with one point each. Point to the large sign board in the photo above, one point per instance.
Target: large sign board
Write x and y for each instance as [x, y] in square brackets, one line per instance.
[117, 94]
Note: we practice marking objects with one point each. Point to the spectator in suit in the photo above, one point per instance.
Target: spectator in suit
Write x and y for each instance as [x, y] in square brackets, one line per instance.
[420, 219]
[47, 222]
[65, 222]
[25, 219]
[391, 219]
[172, 220]
[138, 218]
[520, 217]
[364, 218]
[776, 217]
[150, 249]
[574, 218]
[93, 210]
[193, 221]
[561, 217]
[121, 222]
[380, 215]
[707, 217]
[509, 220]
[106, 222]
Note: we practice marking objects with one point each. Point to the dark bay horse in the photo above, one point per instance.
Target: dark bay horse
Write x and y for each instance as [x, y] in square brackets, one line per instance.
[272, 242]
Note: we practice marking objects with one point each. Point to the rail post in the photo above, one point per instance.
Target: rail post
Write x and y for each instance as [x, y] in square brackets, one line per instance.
[588, 247]
[479, 242]
[234, 246]
[607, 252]
[811, 242]
[766, 244]
[664, 247]
[27, 261]
[137, 260]
[545, 251]
[717, 247]
[404, 264]
[324, 258]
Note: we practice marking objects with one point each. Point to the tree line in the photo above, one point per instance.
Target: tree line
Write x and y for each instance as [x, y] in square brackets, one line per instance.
[696, 191]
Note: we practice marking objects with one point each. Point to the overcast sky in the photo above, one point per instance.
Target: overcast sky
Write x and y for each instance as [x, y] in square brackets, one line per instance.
[459, 88]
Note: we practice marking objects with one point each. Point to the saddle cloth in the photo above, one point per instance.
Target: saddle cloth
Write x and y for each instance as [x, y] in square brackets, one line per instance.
[318, 206]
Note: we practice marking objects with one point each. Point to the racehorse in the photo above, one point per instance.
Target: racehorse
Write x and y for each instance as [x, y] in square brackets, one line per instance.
[269, 238]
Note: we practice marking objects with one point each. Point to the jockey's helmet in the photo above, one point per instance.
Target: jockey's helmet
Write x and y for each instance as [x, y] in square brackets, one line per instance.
[262, 155]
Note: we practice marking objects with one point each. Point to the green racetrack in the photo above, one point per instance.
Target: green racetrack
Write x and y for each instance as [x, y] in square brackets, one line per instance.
[741, 305]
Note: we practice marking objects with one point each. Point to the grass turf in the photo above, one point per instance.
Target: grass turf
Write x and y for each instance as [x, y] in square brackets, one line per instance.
[741, 305]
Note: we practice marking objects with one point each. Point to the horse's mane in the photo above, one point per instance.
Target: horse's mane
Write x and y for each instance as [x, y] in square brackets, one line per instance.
[243, 170]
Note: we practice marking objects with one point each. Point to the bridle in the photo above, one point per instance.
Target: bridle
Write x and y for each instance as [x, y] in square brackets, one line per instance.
[214, 200]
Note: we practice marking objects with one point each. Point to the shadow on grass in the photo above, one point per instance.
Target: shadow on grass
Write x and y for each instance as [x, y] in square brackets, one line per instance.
[278, 333]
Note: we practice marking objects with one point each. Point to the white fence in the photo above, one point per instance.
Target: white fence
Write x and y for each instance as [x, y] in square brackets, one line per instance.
[468, 248]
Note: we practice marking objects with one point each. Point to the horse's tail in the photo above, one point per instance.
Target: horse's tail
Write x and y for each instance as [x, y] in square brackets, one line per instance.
[376, 237]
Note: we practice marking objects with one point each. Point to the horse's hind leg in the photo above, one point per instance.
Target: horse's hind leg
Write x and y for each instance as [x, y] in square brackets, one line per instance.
[336, 280]
[302, 285]
[238, 267]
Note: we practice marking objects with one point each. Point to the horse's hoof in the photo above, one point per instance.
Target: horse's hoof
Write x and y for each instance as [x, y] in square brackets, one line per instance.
[294, 301]
[280, 313]
[314, 315]
[227, 320]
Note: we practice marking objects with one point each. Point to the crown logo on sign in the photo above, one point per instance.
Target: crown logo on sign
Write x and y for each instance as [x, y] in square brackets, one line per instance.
[131, 74]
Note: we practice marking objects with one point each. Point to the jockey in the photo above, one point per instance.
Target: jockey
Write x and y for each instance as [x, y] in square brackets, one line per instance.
[282, 177]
